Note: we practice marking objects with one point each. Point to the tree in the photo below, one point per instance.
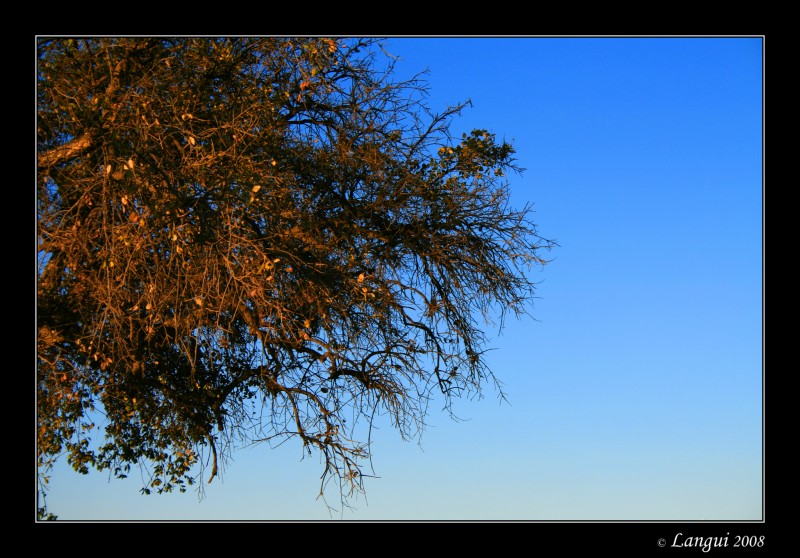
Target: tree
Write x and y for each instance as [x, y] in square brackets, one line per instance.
[256, 240]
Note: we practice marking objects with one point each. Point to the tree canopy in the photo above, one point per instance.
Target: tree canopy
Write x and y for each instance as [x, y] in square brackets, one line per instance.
[253, 240]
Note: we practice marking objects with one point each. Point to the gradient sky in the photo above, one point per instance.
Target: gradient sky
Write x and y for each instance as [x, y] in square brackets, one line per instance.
[636, 392]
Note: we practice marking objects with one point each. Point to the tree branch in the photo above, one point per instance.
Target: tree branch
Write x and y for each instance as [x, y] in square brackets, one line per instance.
[69, 150]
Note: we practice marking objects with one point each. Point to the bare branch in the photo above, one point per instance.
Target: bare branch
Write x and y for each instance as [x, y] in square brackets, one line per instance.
[71, 149]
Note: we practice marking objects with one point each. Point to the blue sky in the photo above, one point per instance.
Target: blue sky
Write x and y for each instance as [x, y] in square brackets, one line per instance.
[636, 392]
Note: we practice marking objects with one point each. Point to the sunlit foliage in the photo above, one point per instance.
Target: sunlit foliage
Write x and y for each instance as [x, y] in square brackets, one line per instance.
[249, 240]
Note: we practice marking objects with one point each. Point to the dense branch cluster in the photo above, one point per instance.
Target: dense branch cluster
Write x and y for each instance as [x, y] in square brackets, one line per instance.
[257, 239]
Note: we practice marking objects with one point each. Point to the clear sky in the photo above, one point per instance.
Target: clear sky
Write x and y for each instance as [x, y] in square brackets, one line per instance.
[636, 393]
